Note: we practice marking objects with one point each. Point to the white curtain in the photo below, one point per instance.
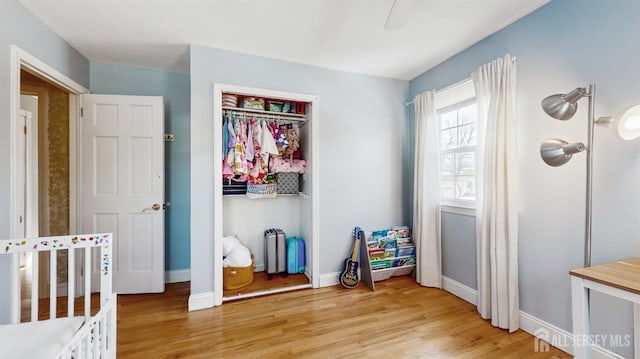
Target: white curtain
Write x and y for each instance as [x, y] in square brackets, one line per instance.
[496, 193]
[426, 192]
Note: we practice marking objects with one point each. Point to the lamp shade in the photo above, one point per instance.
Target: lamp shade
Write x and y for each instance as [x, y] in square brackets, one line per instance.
[626, 124]
[563, 106]
[556, 152]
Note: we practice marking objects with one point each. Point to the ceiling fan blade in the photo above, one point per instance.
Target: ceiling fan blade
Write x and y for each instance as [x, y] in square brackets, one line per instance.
[398, 14]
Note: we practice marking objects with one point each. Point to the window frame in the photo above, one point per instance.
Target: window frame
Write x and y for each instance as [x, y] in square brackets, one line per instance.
[456, 205]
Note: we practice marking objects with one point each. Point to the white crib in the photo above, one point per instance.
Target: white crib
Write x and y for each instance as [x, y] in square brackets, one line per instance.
[74, 336]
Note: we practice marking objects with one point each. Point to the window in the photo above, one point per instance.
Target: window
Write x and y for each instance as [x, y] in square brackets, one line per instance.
[458, 116]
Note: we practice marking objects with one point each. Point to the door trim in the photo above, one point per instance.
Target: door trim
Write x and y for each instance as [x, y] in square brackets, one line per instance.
[22, 59]
[218, 89]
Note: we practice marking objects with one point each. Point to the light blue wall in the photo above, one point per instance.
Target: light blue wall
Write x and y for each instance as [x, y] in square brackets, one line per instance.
[563, 45]
[459, 248]
[18, 27]
[175, 89]
[361, 125]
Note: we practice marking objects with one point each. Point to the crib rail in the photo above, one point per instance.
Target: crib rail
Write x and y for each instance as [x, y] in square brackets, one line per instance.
[96, 339]
[74, 245]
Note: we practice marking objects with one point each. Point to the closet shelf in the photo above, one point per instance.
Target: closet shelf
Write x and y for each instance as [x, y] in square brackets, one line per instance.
[268, 114]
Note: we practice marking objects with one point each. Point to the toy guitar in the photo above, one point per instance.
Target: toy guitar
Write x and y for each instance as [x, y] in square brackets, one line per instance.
[349, 277]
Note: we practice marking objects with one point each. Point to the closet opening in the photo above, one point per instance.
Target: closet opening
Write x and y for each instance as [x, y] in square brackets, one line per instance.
[266, 178]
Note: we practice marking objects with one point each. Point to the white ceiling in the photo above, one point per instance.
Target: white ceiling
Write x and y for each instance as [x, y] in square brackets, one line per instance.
[345, 35]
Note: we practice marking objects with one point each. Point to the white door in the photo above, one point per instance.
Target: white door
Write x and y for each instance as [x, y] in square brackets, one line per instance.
[122, 185]
[26, 176]
[31, 169]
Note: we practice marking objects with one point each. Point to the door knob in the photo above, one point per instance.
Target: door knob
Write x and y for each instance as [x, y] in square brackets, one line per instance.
[156, 206]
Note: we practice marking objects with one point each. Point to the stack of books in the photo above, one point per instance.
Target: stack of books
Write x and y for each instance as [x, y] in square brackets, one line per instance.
[389, 248]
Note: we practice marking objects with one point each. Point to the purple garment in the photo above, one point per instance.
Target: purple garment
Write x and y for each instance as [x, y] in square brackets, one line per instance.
[250, 149]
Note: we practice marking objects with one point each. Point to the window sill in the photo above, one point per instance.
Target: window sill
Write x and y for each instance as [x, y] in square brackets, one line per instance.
[457, 209]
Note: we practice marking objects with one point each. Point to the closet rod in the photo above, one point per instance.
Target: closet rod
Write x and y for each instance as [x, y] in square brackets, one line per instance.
[259, 116]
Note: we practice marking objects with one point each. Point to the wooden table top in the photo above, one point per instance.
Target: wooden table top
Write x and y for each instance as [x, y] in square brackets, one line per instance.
[624, 274]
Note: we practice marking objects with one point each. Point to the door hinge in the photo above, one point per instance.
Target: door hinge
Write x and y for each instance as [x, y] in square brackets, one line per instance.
[81, 112]
[25, 130]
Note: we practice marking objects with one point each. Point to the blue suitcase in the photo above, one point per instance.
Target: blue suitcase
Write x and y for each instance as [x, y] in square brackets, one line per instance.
[295, 255]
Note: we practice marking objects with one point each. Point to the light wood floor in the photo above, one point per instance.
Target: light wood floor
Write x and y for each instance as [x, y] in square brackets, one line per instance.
[262, 283]
[400, 320]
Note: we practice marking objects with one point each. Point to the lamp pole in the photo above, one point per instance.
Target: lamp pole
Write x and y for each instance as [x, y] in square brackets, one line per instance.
[587, 231]
[556, 152]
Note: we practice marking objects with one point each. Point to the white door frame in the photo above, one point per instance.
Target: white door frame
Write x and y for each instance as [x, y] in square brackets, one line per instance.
[22, 59]
[218, 89]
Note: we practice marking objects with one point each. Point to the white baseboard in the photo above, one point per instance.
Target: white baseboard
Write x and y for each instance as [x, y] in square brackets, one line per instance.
[460, 290]
[201, 301]
[552, 334]
[598, 352]
[548, 332]
[559, 337]
[177, 275]
[329, 279]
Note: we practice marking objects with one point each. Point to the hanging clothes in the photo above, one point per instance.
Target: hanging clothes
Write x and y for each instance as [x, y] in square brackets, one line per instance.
[269, 146]
[280, 135]
[268, 141]
[230, 159]
[249, 144]
[225, 136]
[294, 141]
[250, 148]
[259, 167]
[240, 161]
[257, 136]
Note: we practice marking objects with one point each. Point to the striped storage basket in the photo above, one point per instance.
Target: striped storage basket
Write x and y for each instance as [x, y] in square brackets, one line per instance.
[266, 190]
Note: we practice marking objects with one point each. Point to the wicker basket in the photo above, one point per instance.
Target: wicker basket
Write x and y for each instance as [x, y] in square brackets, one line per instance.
[237, 277]
[267, 190]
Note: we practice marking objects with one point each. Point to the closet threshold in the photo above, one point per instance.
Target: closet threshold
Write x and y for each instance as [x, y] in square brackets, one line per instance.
[266, 292]
[268, 115]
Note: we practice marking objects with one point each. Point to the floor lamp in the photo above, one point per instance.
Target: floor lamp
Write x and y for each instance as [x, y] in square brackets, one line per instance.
[556, 152]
